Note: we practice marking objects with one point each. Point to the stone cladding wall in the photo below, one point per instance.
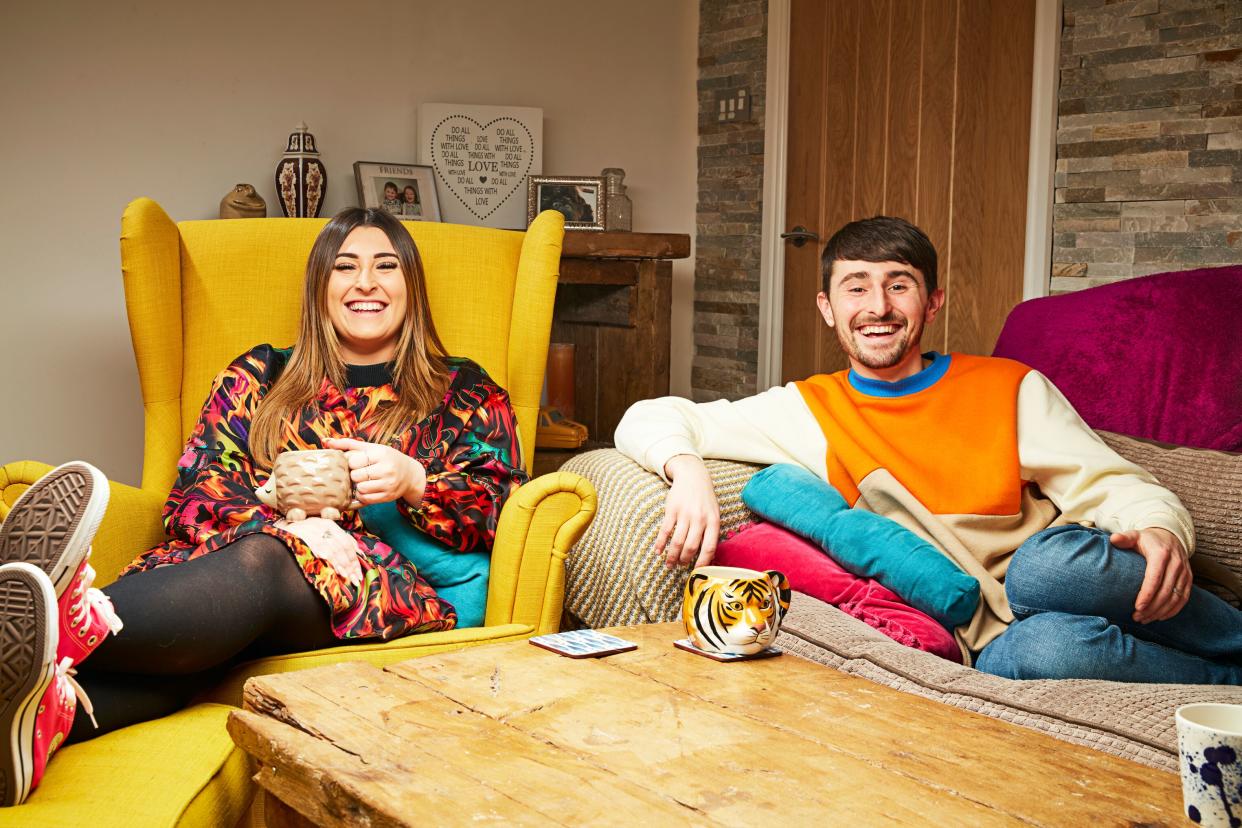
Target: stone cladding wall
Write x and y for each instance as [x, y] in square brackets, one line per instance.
[732, 52]
[1149, 139]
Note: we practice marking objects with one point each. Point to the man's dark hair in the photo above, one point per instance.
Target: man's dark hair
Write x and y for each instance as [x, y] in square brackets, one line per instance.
[882, 239]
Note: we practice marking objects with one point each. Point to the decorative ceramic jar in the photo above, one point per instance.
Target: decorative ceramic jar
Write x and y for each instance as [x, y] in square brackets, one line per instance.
[619, 213]
[301, 180]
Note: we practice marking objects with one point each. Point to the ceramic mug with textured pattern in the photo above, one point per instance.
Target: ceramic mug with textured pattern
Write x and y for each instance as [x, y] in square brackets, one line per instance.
[309, 482]
[1209, 748]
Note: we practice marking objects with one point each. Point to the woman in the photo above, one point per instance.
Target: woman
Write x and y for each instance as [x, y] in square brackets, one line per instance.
[410, 205]
[369, 376]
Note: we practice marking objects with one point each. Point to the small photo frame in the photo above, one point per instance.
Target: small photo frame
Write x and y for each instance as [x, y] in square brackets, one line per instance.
[580, 198]
[408, 191]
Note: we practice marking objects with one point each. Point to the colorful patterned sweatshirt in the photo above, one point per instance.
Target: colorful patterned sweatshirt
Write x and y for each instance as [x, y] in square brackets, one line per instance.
[974, 454]
[468, 446]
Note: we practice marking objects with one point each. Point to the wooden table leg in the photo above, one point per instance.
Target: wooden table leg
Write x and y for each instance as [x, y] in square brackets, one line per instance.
[277, 814]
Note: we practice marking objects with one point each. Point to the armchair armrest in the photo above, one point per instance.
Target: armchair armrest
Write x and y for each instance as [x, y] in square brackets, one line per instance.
[538, 525]
[132, 524]
[613, 576]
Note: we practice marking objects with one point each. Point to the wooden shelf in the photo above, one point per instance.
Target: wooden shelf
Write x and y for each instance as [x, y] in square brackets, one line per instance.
[616, 244]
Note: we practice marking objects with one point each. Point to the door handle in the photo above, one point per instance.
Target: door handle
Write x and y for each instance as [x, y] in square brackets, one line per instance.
[800, 236]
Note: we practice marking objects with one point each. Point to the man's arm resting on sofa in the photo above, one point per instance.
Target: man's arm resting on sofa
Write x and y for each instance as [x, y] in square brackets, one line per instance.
[670, 436]
[772, 427]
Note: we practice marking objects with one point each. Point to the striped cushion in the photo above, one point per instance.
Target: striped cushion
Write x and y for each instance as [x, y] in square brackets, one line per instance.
[613, 576]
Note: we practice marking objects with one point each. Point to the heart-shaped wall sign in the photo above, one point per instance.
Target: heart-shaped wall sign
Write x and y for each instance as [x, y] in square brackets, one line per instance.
[481, 164]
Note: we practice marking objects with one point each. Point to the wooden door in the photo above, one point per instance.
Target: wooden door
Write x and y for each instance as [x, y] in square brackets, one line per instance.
[918, 109]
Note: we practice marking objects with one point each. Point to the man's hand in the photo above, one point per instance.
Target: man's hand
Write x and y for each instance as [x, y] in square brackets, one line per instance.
[691, 524]
[1168, 579]
[329, 542]
[381, 473]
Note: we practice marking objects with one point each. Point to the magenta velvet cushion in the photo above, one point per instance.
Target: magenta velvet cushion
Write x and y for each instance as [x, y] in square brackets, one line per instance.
[764, 546]
[1156, 357]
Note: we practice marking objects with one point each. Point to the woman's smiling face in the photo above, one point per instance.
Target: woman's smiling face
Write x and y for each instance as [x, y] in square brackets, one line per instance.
[367, 297]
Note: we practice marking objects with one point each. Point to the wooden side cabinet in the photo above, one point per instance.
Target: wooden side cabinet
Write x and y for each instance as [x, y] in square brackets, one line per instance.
[614, 302]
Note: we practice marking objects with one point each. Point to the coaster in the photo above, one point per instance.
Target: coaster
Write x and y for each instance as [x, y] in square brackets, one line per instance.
[688, 645]
[583, 643]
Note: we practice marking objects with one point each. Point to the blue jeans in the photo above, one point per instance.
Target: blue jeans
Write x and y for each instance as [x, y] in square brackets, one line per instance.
[1072, 594]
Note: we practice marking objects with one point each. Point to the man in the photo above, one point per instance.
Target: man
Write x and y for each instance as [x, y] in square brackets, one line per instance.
[979, 456]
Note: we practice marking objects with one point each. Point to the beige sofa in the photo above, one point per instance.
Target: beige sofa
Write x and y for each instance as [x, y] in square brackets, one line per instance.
[613, 577]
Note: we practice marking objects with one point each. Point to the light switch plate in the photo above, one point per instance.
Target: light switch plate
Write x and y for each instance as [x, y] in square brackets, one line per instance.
[733, 105]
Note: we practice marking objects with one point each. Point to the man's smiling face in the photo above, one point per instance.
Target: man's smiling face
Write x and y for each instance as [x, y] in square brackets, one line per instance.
[879, 310]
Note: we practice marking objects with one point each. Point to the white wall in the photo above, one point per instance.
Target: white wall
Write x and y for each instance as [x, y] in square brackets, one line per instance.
[103, 102]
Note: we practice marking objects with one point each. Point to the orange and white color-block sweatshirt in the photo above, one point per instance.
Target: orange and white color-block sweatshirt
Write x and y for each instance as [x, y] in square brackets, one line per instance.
[973, 454]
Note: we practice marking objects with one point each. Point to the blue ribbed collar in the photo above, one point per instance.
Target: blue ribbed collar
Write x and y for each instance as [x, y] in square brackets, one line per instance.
[921, 381]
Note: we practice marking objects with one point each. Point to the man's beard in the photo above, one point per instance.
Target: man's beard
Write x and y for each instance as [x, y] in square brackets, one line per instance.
[878, 359]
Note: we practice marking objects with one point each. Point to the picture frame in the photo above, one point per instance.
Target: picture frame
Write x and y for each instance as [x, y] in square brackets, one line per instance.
[414, 184]
[582, 199]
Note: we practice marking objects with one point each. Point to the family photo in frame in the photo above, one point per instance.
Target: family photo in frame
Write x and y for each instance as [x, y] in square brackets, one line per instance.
[581, 199]
[407, 191]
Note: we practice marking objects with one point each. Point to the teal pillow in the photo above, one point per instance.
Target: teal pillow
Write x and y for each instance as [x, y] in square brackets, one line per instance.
[458, 577]
[864, 543]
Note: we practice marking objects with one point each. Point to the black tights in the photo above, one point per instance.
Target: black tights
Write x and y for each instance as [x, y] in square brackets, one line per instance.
[186, 624]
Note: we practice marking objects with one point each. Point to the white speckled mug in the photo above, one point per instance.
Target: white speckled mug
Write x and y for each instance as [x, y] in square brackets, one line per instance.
[1209, 748]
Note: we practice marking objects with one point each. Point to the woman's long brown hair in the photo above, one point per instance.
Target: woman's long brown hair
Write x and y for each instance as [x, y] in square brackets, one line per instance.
[419, 371]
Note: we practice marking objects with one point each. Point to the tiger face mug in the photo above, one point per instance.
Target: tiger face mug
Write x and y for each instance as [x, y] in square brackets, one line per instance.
[734, 611]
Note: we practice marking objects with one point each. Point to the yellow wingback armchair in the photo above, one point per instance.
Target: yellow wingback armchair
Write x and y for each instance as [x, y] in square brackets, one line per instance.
[199, 293]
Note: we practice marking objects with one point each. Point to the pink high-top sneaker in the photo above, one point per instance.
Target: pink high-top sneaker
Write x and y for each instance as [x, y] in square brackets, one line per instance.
[51, 525]
[55, 717]
[28, 638]
[86, 617]
[38, 694]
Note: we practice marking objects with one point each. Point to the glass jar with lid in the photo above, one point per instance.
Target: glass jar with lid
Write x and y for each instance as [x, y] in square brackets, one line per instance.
[618, 210]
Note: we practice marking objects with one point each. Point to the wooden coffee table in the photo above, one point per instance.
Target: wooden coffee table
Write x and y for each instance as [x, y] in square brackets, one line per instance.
[513, 734]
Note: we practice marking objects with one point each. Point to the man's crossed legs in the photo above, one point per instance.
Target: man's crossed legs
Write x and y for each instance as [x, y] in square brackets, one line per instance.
[1072, 594]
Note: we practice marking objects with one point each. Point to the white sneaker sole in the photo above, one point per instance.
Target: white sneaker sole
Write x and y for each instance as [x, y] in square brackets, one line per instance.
[28, 638]
[52, 524]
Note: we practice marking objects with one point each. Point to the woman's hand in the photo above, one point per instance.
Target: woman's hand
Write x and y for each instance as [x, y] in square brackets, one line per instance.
[328, 542]
[381, 473]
